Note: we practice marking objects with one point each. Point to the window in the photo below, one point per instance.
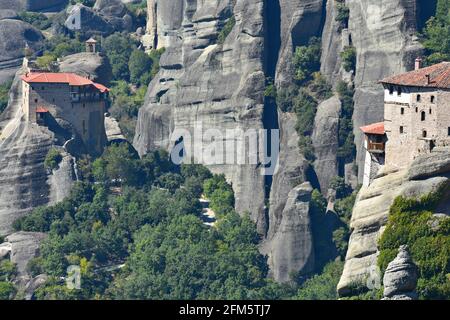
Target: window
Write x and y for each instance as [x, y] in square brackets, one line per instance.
[418, 98]
[401, 129]
[402, 110]
[432, 99]
[430, 110]
[36, 100]
[448, 131]
[424, 133]
[43, 88]
[417, 109]
[391, 90]
[399, 91]
[422, 116]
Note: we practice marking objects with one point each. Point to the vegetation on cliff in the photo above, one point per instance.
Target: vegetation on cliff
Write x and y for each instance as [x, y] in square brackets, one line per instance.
[412, 222]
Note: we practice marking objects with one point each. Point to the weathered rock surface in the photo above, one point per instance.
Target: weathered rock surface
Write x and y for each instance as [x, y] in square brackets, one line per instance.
[113, 132]
[291, 248]
[116, 13]
[86, 20]
[24, 247]
[300, 20]
[14, 36]
[370, 215]
[62, 179]
[24, 181]
[90, 65]
[384, 36]
[400, 278]
[204, 84]
[33, 5]
[325, 141]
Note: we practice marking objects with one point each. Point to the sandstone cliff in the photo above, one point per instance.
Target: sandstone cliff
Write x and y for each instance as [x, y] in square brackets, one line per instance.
[371, 211]
[24, 181]
[209, 84]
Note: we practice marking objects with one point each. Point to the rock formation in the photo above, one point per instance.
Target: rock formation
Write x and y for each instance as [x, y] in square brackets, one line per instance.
[15, 35]
[204, 83]
[383, 34]
[89, 65]
[25, 183]
[24, 247]
[291, 249]
[400, 277]
[371, 212]
[33, 5]
[325, 141]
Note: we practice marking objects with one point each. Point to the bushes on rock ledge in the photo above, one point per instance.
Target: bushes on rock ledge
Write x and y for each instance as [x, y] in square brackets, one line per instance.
[412, 222]
[53, 159]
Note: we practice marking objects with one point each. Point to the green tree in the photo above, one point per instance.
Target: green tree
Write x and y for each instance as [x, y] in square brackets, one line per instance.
[307, 60]
[53, 159]
[139, 64]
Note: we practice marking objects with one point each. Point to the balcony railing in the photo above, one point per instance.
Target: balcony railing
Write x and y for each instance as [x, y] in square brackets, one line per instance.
[376, 147]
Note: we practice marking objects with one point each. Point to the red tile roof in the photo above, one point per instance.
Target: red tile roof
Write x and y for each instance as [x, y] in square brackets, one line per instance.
[438, 74]
[41, 110]
[374, 128]
[70, 78]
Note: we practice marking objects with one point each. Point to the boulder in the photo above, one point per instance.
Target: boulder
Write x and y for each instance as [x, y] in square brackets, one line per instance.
[400, 278]
[24, 247]
[86, 20]
[113, 131]
[89, 65]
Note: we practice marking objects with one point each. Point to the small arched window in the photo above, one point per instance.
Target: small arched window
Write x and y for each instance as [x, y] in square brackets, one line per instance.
[399, 91]
[424, 133]
[432, 99]
[423, 116]
[418, 98]
[430, 110]
[391, 90]
[401, 129]
[402, 110]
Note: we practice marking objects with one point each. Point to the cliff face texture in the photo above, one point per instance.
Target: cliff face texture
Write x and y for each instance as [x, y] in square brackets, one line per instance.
[383, 33]
[24, 181]
[371, 212]
[220, 85]
[206, 84]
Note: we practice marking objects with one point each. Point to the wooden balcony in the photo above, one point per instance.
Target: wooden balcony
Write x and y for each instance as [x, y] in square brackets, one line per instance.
[375, 147]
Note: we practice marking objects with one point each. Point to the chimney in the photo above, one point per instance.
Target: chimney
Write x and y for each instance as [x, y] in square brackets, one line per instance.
[418, 63]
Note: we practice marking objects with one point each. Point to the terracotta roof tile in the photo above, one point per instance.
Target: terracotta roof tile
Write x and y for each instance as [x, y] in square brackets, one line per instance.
[41, 110]
[374, 128]
[435, 76]
[70, 78]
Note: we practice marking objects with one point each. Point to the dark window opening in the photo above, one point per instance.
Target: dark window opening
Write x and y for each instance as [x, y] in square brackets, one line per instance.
[36, 100]
[391, 90]
[424, 134]
[448, 131]
[432, 99]
[418, 98]
[417, 109]
[430, 110]
[401, 129]
[399, 91]
[402, 110]
[423, 115]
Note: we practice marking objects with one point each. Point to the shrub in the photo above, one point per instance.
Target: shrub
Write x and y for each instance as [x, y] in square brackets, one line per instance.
[139, 64]
[228, 27]
[37, 20]
[307, 60]
[409, 223]
[53, 159]
[4, 95]
[343, 14]
[348, 56]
